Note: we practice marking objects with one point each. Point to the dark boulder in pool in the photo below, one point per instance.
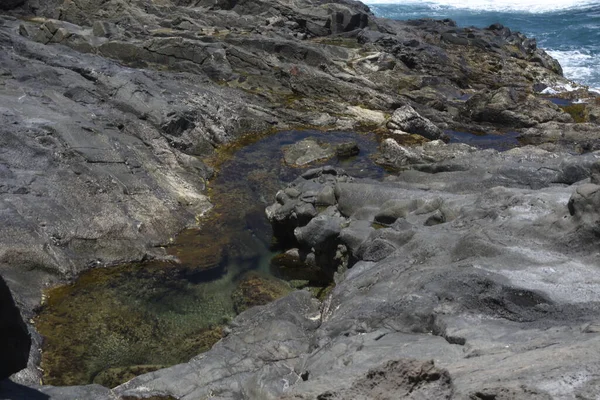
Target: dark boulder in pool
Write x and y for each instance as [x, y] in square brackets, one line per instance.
[14, 337]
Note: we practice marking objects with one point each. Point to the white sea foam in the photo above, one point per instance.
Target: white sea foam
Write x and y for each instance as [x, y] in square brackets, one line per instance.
[577, 65]
[533, 6]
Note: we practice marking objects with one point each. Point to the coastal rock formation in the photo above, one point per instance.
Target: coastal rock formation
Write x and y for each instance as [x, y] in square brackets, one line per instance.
[475, 259]
[506, 106]
[488, 274]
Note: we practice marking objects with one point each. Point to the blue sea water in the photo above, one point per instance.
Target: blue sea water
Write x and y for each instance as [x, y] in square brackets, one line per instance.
[569, 30]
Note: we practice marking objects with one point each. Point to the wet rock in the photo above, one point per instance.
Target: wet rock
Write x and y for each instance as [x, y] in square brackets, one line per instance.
[584, 203]
[346, 150]
[113, 377]
[406, 119]
[257, 290]
[574, 137]
[512, 108]
[14, 336]
[295, 265]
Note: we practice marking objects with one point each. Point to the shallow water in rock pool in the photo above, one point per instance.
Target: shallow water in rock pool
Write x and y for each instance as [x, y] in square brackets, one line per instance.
[117, 322]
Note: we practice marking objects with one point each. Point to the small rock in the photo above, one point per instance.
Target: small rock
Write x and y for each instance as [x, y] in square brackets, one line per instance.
[348, 149]
[408, 120]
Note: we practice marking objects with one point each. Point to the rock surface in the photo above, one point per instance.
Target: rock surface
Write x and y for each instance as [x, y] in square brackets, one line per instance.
[477, 304]
[474, 259]
[406, 119]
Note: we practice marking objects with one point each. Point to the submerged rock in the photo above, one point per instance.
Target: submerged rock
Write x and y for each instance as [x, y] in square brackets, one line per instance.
[307, 151]
[257, 290]
[311, 150]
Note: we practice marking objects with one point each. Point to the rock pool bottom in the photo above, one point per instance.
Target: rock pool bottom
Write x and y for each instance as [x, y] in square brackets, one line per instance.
[117, 322]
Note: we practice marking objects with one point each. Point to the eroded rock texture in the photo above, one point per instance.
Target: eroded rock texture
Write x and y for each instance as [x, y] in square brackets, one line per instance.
[459, 283]
[476, 260]
[107, 108]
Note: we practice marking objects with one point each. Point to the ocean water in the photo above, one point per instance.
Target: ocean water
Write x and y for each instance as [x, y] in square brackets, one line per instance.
[569, 30]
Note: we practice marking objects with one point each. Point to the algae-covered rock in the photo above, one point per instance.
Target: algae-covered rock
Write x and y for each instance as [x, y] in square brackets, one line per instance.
[347, 149]
[292, 265]
[115, 376]
[257, 290]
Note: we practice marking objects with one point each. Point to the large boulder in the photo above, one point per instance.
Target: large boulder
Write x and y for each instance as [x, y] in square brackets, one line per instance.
[512, 108]
[394, 155]
[580, 137]
[347, 20]
[14, 337]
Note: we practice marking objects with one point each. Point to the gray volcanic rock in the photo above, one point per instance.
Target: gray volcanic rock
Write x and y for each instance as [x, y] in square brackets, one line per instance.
[492, 294]
[108, 108]
[15, 341]
[522, 167]
[406, 119]
[509, 107]
[393, 155]
[584, 205]
[401, 379]
[580, 137]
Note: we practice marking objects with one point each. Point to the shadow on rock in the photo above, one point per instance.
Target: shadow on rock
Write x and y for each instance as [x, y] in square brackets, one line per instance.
[13, 391]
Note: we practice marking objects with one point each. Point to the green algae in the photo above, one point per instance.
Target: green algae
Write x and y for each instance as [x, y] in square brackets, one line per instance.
[258, 289]
[114, 323]
[577, 111]
[115, 376]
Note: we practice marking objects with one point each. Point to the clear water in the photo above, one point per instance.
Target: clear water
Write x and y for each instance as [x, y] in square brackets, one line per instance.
[569, 30]
[500, 142]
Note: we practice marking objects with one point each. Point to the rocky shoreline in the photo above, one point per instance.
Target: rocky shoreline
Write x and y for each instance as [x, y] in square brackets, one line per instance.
[482, 261]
